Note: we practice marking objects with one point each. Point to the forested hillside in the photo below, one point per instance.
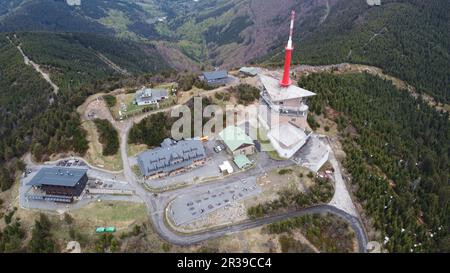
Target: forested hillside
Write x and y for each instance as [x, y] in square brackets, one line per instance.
[45, 15]
[409, 39]
[34, 119]
[213, 32]
[397, 154]
[27, 118]
[74, 58]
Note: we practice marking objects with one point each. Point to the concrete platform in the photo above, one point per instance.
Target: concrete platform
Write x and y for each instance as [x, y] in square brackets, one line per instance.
[313, 154]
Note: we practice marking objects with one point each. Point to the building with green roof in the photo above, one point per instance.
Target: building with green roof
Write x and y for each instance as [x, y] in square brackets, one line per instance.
[242, 161]
[237, 141]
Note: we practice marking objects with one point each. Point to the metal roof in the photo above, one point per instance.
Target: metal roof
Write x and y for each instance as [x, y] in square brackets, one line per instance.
[278, 93]
[242, 161]
[171, 156]
[57, 176]
[253, 71]
[215, 75]
[148, 94]
[234, 137]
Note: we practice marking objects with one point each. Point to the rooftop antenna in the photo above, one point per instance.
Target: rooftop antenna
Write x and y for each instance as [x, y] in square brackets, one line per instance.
[286, 80]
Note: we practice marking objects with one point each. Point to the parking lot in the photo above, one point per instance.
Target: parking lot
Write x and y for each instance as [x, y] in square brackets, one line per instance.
[191, 207]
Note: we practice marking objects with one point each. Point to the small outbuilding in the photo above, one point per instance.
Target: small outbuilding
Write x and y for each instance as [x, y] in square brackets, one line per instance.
[249, 71]
[237, 141]
[226, 167]
[242, 162]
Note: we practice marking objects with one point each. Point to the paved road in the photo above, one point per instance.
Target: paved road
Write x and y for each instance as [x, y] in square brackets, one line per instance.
[157, 204]
[188, 239]
[341, 198]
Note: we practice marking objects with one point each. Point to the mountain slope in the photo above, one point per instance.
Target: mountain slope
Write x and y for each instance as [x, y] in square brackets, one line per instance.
[32, 118]
[214, 32]
[79, 57]
[407, 38]
[232, 32]
[48, 15]
[397, 154]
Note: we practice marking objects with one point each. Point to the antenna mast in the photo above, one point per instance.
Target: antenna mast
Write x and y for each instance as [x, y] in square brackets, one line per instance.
[286, 81]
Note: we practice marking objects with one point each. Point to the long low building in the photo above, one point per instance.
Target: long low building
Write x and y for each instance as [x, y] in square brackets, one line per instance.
[148, 96]
[172, 157]
[215, 78]
[57, 184]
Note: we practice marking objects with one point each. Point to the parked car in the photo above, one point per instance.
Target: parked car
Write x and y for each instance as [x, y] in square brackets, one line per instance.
[219, 148]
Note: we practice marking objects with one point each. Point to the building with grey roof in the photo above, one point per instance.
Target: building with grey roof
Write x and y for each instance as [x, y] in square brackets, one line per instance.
[215, 77]
[172, 157]
[249, 71]
[57, 184]
[148, 96]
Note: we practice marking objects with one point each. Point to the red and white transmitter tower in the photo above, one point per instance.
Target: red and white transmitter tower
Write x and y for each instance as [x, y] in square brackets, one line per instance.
[286, 80]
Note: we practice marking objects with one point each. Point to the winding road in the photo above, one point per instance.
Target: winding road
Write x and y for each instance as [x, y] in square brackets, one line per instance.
[157, 204]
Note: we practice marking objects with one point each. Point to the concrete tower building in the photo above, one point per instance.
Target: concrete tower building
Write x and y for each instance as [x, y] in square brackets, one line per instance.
[287, 111]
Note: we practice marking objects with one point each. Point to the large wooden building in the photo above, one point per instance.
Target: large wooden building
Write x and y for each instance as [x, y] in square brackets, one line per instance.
[57, 184]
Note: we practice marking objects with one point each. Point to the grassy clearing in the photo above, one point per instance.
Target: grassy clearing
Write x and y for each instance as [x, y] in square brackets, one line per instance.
[274, 155]
[94, 155]
[136, 170]
[327, 126]
[135, 149]
[291, 179]
[118, 214]
[327, 232]
[118, 21]
[122, 215]
[295, 188]
[133, 109]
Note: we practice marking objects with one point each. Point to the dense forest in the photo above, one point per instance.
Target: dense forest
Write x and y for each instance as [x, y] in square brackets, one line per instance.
[32, 117]
[409, 39]
[246, 93]
[320, 193]
[327, 232]
[397, 154]
[151, 130]
[74, 58]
